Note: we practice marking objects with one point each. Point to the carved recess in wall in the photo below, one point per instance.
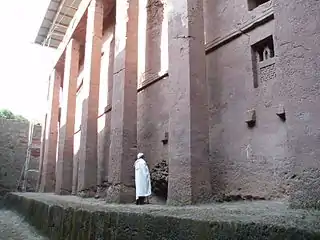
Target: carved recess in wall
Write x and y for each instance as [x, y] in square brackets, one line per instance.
[264, 69]
[159, 179]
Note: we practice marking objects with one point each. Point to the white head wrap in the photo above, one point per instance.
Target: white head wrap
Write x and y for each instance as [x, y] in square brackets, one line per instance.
[140, 155]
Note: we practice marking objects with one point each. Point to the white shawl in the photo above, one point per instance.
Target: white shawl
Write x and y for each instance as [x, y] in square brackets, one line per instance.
[142, 178]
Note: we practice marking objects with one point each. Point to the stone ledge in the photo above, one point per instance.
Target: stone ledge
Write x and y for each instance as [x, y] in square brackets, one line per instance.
[151, 81]
[69, 217]
[262, 18]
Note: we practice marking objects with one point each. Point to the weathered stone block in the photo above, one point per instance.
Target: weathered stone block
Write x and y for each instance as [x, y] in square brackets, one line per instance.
[76, 224]
[55, 221]
[26, 207]
[111, 231]
[43, 220]
[99, 222]
[81, 225]
[66, 228]
[129, 224]
[38, 213]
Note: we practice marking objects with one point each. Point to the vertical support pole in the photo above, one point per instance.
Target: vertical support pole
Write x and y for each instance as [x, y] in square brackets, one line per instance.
[67, 121]
[189, 177]
[27, 163]
[42, 148]
[49, 159]
[124, 104]
[87, 179]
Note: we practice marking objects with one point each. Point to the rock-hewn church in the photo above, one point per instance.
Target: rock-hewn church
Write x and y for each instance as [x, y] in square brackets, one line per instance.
[221, 96]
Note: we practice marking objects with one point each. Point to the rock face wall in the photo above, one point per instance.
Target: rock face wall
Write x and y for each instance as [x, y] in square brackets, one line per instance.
[13, 148]
[257, 61]
[244, 162]
[298, 46]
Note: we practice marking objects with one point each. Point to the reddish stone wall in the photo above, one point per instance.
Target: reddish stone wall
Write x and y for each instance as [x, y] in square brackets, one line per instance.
[153, 117]
[244, 162]
[223, 17]
[298, 46]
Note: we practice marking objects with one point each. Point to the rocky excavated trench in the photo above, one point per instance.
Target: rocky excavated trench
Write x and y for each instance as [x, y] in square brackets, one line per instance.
[13, 227]
[70, 217]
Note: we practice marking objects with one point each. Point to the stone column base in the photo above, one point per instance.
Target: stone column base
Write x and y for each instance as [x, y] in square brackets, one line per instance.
[87, 193]
[120, 193]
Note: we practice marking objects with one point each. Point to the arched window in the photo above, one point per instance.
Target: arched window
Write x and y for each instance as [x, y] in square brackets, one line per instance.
[264, 49]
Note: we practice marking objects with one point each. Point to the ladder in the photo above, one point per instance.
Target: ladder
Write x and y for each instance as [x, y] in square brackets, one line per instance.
[22, 183]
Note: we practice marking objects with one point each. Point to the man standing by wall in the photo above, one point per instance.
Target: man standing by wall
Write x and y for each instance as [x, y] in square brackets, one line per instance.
[142, 179]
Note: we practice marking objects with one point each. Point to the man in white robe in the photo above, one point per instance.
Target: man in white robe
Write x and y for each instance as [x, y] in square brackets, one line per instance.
[142, 179]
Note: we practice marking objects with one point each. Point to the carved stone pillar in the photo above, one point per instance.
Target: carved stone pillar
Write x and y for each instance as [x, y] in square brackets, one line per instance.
[189, 177]
[124, 104]
[51, 133]
[42, 149]
[66, 136]
[87, 179]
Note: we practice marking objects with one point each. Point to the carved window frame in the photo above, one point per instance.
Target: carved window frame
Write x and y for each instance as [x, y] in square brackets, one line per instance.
[263, 54]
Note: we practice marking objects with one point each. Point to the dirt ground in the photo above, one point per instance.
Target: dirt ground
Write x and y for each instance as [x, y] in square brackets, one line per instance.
[12, 227]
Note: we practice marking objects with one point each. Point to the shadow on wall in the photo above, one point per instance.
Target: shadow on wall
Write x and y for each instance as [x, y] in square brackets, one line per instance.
[76, 162]
[152, 100]
[216, 107]
[159, 180]
[103, 155]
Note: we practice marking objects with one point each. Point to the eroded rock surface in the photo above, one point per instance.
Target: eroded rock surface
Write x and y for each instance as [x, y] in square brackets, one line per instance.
[159, 179]
[71, 217]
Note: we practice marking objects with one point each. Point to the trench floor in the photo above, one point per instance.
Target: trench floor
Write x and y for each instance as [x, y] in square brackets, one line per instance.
[13, 227]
